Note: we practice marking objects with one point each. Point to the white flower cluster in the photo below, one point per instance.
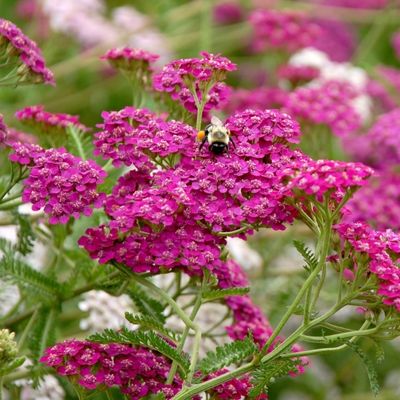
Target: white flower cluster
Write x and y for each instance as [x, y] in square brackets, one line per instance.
[86, 22]
[49, 389]
[104, 311]
[330, 70]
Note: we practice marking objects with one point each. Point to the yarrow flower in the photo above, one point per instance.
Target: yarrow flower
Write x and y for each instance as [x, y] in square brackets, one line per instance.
[318, 177]
[228, 13]
[3, 130]
[285, 30]
[47, 122]
[329, 104]
[104, 311]
[298, 75]
[390, 76]
[17, 49]
[136, 371]
[195, 80]
[257, 99]
[135, 62]
[384, 136]
[382, 249]
[377, 203]
[60, 183]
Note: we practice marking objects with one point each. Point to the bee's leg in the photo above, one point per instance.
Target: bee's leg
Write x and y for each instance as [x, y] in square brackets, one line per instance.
[231, 141]
[202, 142]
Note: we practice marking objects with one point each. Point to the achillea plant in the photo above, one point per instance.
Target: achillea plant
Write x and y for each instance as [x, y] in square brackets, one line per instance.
[162, 197]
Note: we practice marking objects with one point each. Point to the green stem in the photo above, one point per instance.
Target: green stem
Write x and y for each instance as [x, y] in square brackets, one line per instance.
[339, 336]
[192, 316]
[74, 134]
[307, 284]
[205, 38]
[27, 329]
[188, 393]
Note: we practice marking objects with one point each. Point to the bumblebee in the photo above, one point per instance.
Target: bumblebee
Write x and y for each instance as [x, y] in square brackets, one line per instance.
[217, 136]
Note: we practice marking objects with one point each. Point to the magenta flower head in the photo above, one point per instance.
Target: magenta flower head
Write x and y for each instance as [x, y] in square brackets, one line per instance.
[329, 104]
[47, 122]
[383, 135]
[134, 62]
[377, 203]
[195, 81]
[228, 12]
[390, 76]
[298, 75]
[61, 184]
[286, 30]
[24, 55]
[316, 178]
[3, 130]
[378, 251]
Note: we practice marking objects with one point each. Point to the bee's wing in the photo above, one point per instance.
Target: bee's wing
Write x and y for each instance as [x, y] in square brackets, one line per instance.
[216, 121]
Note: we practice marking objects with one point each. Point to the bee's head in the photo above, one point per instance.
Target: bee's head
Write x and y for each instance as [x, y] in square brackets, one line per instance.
[217, 133]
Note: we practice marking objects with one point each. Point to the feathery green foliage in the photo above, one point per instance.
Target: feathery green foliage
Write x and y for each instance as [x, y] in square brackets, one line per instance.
[369, 366]
[147, 305]
[307, 254]
[147, 322]
[230, 353]
[149, 339]
[79, 143]
[26, 236]
[217, 294]
[14, 269]
[266, 373]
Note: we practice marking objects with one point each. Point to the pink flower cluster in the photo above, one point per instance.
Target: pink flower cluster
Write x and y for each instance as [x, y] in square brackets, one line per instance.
[228, 12]
[48, 122]
[383, 251]
[328, 104]
[134, 136]
[257, 99]
[383, 135]
[201, 195]
[60, 183]
[318, 177]
[3, 130]
[285, 30]
[383, 100]
[366, 4]
[15, 44]
[337, 39]
[180, 79]
[396, 44]
[128, 58]
[377, 203]
[137, 371]
[298, 74]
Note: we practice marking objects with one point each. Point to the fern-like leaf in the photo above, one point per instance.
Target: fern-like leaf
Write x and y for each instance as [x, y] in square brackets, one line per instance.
[147, 322]
[229, 353]
[147, 305]
[307, 254]
[149, 339]
[216, 294]
[267, 373]
[14, 364]
[369, 366]
[23, 275]
[79, 143]
[26, 236]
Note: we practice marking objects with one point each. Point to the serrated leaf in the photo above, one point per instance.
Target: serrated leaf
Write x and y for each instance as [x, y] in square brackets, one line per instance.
[147, 322]
[307, 254]
[222, 293]
[266, 374]
[26, 236]
[369, 366]
[79, 143]
[12, 366]
[147, 339]
[42, 335]
[23, 275]
[230, 353]
[147, 305]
